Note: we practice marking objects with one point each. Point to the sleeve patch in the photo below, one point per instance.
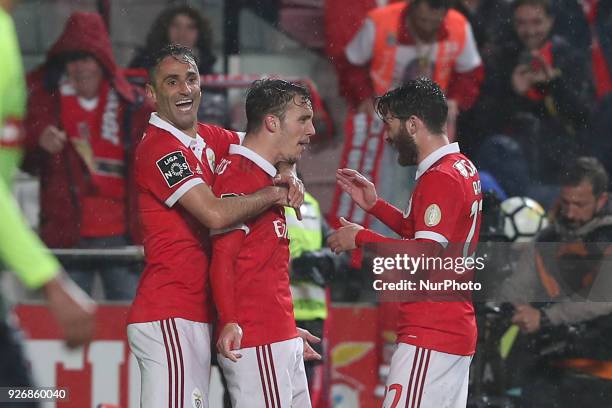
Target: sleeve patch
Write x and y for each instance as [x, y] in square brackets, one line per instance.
[174, 168]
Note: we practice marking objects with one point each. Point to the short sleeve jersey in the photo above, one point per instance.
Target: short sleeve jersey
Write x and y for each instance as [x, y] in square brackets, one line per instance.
[264, 308]
[446, 208]
[168, 164]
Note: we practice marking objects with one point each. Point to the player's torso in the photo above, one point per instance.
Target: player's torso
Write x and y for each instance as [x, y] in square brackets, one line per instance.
[262, 266]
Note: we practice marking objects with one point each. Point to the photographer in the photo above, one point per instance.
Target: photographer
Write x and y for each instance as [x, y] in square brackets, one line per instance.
[568, 274]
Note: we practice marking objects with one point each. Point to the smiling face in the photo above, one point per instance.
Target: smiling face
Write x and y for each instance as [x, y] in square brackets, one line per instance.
[176, 92]
[532, 25]
[296, 129]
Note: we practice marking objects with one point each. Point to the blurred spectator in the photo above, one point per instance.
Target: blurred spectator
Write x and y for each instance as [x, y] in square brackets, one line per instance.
[181, 25]
[20, 249]
[538, 90]
[491, 21]
[561, 296]
[84, 120]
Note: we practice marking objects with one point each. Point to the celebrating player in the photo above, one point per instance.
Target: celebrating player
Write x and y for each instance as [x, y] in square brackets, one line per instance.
[263, 361]
[169, 321]
[430, 367]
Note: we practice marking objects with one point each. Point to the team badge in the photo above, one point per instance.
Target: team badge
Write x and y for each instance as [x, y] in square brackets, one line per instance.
[433, 215]
[174, 168]
[196, 398]
[210, 156]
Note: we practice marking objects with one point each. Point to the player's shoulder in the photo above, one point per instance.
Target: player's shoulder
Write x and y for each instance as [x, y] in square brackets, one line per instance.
[216, 134]
[455, 166]
[156, 141]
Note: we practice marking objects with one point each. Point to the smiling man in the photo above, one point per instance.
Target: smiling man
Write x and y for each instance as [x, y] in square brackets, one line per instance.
[250, 265]
[169, 323]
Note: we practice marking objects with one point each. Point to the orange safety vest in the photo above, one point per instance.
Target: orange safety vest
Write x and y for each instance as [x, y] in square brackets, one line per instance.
[387, 21]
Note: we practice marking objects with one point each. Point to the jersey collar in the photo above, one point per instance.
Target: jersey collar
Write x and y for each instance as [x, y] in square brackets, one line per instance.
[254, 157]
[435, 156]
[185, 139]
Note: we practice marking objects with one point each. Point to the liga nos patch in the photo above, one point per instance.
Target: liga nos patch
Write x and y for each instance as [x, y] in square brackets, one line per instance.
[174, 168]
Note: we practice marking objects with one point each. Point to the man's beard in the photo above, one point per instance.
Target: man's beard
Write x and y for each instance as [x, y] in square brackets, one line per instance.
[407, 148]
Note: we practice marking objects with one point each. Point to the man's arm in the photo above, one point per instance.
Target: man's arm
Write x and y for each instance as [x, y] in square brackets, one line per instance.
[23, 253]
[222, 277]
[217, 213]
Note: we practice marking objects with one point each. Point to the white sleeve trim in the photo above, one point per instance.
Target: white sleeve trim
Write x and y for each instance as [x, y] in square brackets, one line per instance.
[188, 185]
[434, 236]
[232, 228]
[359, 50]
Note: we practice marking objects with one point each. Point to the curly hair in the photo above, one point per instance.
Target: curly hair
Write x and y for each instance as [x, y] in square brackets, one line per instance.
[158, 36]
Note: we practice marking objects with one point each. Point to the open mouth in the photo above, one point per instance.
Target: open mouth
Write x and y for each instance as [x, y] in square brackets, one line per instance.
[184, 105]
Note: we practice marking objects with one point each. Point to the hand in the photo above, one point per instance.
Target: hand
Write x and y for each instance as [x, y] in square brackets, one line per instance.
[72, 308]
[361, 190]
[309, 352]
[344, 237]
[546, 72]
[52, 139]
[527, 318]
[296, 190]
[366, 106]
[522, 79]
[229, 340]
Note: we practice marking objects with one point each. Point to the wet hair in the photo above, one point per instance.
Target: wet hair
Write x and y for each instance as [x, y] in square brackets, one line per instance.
[435, 4]
[586, 169]
[272, 97]
[545, 4]
[176, 51]
[420, 97]
[158, 36]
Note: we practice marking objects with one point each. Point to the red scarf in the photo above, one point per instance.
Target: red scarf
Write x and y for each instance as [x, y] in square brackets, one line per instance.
[97, 136]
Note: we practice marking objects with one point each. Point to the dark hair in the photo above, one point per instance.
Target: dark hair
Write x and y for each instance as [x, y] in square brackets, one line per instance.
[179, 52]
[420, 97]
[435, 4]
[271, 97]
[545, 4]
[158, 36]
[586, 169]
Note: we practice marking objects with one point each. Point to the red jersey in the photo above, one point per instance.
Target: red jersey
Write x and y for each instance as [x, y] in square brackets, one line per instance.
[168, 164]
[445, 207]
[250, 266]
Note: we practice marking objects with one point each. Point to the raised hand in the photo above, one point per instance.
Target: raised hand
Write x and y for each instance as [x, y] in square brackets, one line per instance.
[361, 190]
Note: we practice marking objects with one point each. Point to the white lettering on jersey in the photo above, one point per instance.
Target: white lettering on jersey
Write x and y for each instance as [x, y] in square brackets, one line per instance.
[280, 228]
[465, 167]
[222, 166]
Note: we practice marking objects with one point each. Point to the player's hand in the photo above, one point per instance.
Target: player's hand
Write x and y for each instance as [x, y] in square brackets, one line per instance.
[73, 310]
[361, 190]
[307, 338]
[296, 190]
[52, 139]
[229, 340]
[527, 318]
[343, 239]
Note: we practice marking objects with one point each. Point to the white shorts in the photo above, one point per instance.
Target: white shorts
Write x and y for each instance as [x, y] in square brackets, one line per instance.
[174, 360]
[424, 378]
[268, 376]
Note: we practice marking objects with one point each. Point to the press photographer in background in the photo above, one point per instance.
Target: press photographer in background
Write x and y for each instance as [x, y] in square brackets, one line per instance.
[568, 273]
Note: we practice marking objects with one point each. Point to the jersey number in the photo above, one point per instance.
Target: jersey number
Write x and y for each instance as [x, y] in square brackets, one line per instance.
[476, 208]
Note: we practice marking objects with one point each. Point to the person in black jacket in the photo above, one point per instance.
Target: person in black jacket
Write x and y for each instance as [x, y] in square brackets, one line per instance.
[538, 91]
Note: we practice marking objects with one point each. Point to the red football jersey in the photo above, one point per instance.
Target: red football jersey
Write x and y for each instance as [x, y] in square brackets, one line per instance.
[445, 207]
[168, 164]
[256, 292]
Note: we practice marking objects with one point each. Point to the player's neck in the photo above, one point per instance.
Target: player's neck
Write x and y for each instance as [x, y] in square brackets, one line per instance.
[429, 144]
[261, 146]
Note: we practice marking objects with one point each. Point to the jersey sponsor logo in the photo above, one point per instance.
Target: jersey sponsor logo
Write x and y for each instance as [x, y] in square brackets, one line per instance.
[406, 212]
[433, 215]
[465, 167]
[210, 156]
[280, 228]
[197, 401]
[222, 166]
[174, 168]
